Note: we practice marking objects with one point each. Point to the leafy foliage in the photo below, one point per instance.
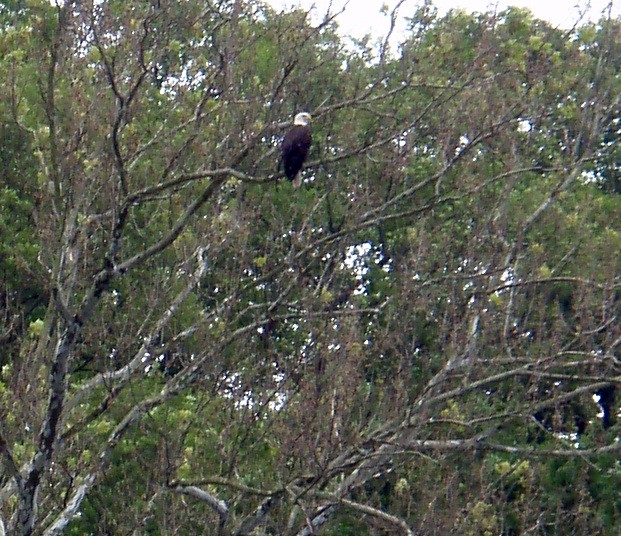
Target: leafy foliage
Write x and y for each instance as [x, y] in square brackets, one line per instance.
[422, 339]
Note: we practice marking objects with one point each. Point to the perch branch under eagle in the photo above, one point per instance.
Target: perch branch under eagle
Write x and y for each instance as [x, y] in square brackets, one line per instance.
[295, 148]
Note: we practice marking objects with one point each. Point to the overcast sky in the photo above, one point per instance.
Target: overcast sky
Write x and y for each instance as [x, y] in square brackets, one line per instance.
[363, 16]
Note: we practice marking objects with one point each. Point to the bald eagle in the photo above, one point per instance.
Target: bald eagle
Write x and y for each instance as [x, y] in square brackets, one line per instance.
[295, 148]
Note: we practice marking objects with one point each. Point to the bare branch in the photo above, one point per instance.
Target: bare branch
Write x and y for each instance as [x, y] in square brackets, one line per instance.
[217, 505]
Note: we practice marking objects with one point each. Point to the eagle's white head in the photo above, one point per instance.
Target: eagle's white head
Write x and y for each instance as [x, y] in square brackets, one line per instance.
[303, 118]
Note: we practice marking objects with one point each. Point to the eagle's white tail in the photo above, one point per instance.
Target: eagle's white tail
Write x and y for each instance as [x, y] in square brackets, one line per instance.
[297, 180]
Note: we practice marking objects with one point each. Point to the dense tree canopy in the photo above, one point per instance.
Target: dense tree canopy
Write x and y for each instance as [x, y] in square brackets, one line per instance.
[423, 339]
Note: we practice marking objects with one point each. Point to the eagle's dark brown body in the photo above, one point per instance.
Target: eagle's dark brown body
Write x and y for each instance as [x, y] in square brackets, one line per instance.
[295, 148]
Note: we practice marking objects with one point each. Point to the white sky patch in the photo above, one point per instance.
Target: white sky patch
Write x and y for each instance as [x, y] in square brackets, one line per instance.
[589, 177]
[360, 258]
[464, 141]
[563, 13]
[354, 259]
[524, 126]
[233, 388]
[279, 401]
[508, 276]
[362, 17]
